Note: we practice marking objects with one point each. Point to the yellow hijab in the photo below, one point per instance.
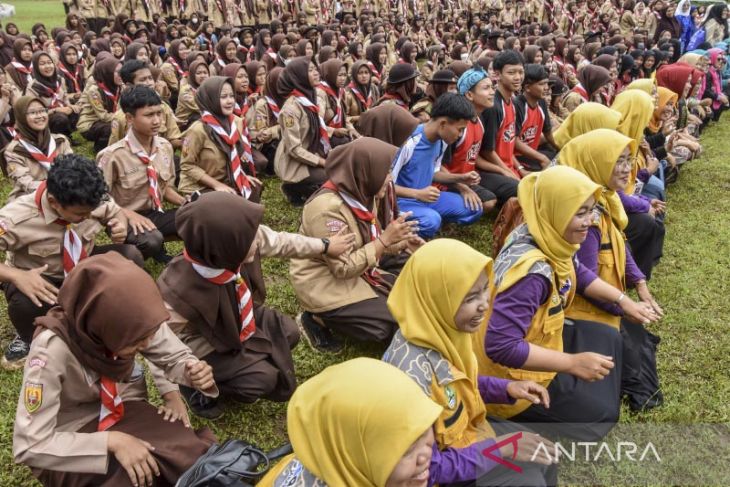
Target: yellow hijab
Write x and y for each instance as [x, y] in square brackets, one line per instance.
[549, 201]
[588, 116]
[352, 423]
[595, 155]
[636, 109]
[646, 85]
[428, 293]
[666, 97]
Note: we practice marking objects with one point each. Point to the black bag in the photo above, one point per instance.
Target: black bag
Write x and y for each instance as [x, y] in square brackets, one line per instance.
[234, 463]
[639, 376]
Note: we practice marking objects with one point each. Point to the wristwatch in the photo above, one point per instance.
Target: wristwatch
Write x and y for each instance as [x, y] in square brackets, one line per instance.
[326, 243]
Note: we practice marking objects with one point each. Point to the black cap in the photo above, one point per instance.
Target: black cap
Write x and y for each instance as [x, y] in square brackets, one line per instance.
[445, 76]
[401, 72]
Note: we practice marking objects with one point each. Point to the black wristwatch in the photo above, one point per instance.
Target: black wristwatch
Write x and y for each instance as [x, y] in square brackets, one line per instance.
[326, 243]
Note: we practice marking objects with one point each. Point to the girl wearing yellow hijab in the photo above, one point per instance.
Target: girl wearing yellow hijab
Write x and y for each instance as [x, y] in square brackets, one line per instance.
[604, 156]
[587, 117]
[440, 300]
[360, 423]
[643, 197]
[528, 338]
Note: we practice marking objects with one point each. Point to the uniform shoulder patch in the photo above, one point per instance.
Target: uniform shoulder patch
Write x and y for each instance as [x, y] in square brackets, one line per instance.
[33, 396]
[3, 227]
[288, 120]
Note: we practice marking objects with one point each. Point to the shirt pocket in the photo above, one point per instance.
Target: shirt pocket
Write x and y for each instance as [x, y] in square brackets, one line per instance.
[45, 249]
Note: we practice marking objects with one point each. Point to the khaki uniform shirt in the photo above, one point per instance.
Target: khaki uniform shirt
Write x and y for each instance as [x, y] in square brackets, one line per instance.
[186, 105]
[292, 156]
[261, 122]
[322, 283]
[32, 239]
[201, 156]
[270, 244]
[60, 396]
[92, 109]
[169, 74]
[168, 129]
[25, 172]
[63, 97]
[126, 175]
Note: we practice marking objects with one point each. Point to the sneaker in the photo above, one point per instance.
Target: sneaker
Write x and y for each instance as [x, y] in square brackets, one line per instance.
[15, 354]
[319, 337]
[200, 404]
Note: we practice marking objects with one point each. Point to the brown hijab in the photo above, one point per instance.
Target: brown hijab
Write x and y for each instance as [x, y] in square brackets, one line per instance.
[104, 73]
[360, 169]
[106, 303]
[39, 139]
[193, 69]
[593, 77]
[389, 123]
[20, 79]
[271, 89]
[216, 240]
[296, 77]
[252, 67]
[45, 86]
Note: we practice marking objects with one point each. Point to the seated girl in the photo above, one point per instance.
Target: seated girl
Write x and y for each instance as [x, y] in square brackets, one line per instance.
[187, 110]
[331, 94]
[340, 421]
[604, 156]
[528, 338]
[265, 130]
[29, 156]
[440, 300]
[216, 155]
[348, 295]
[83, 416]
[99, 102]
[47, 87]
[305, 141]
[361, 92]
[215, 291]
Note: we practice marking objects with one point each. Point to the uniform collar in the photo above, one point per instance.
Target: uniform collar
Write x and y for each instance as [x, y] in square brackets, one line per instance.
[48, 213]
[135, 145]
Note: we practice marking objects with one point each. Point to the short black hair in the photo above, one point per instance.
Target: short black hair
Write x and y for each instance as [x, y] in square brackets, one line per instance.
[507, 57]
[130, 67]
[76, 180]
[138, 96]
[453, 106]
[534, 73]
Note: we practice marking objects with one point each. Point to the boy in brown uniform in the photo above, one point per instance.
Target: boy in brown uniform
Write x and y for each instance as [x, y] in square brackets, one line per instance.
[45, 234]
[140, 170]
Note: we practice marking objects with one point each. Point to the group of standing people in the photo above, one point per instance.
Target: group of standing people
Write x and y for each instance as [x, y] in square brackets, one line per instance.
[383, 121]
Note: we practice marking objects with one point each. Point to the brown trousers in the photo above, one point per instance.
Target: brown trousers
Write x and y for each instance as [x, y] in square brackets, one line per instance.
[176, 449]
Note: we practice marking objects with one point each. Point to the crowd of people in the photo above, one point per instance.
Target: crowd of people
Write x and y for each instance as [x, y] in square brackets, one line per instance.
[383, 121]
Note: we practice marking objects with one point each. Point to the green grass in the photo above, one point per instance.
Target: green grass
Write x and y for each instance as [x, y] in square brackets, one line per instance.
[691, 283]
[28, 12]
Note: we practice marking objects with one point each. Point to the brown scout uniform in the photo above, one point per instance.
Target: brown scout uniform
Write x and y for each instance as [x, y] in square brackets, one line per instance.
[293, 160]
[126, 175]
[333, 288]
[202, 156]
[63, 98]
[168, 129]
[60, 397]
[25, 172]
[32, 239]
[92, 109]
[261, 122]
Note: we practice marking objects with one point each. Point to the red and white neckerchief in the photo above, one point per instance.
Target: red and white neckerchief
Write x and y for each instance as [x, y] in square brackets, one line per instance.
[73, 246]
[53, 93]
[220, 62]
[153, 189]
[244, 298]
[21, 68]
[324, 137]
[112, 407]
[360, 97]
[246, 52]
[113, 96]
[581, 91]
[74, 77]
[364, 215]
[374, 71]
[338, 119]
[44, 159]
[397, 99]
[180, 71]
[275, 110]
[231, 138]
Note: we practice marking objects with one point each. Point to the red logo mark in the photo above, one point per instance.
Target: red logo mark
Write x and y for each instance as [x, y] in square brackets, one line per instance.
[487, 452]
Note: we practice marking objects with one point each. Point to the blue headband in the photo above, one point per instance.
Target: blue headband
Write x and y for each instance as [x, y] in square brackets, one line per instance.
[469, 79]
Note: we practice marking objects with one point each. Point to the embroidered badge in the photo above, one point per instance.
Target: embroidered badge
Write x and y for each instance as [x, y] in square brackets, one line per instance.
[3, 227]
[288, 120]
[33, 396]
[295, 471]
[37, 362]
[450, 397]
[335, 226]
[555, 300]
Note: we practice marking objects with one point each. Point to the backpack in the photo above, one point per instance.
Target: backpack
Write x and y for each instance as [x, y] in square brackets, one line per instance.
[234, 463]
[509, 218]
[697, 38]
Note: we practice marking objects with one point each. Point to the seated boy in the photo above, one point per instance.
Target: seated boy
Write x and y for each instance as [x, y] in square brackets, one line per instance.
[45, 234]
[140, 171]
[534, 121]
[417, 166]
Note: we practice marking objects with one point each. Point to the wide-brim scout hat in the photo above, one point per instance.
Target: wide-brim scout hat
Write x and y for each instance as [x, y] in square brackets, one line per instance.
[401, 72]
[443, 76]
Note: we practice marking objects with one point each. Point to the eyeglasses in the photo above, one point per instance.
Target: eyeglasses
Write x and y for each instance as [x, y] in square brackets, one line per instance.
[627, 163]
[38, 113]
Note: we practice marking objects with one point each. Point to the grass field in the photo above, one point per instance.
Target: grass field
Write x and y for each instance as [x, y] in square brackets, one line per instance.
[692, 283]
